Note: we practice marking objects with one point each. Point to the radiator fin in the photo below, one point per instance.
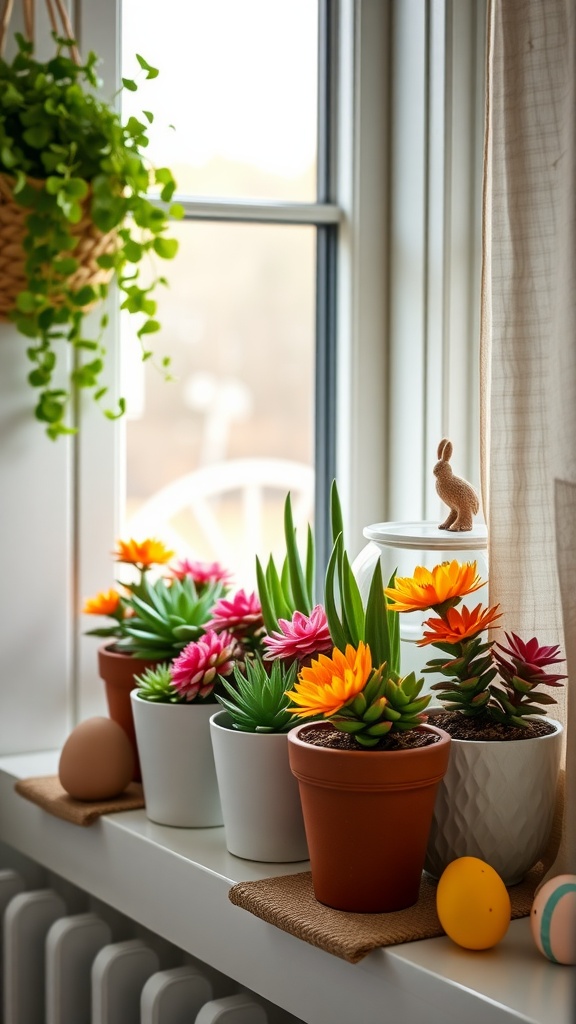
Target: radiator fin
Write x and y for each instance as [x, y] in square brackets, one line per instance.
[119, 973]
[175, 996]
[71, 947]
[27, 920]
[238, 1009]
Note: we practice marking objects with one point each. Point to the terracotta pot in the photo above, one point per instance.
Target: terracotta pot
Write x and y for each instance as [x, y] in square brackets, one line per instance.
[367, 816]
[117, 671]
[496, 802]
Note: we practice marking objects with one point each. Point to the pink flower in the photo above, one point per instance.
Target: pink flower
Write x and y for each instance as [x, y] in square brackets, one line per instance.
[202, 573]
[196, 668]
[301, 639]
[238, 615]
[527, 659]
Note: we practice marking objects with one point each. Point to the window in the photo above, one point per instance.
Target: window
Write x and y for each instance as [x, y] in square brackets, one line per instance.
[210, 456]
[388, 249]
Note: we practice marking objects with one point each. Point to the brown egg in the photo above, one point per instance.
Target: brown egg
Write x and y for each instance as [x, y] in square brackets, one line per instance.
[97, 761]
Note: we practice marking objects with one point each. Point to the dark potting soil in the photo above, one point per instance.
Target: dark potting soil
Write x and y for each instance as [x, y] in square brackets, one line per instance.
[485, 728]
[320, 736]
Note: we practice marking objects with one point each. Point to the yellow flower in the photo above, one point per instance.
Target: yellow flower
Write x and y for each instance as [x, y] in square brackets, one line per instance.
[105, 603]
[428, 588]
[329, 683]
[143, 553]
[456, 626]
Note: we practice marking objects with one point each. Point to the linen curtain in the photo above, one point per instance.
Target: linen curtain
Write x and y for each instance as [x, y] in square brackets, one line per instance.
[528, 342]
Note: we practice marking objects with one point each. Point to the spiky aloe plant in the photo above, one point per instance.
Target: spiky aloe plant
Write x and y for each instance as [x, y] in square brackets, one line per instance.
[155, 684]
[291, 589]
[166, 616]
[259, 702]
[349, 620]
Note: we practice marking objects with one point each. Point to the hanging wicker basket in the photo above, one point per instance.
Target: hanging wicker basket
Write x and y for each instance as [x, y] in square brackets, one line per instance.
[91, 244]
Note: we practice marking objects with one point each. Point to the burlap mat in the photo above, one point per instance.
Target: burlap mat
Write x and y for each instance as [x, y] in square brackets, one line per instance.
[289, 903]
[47, 792]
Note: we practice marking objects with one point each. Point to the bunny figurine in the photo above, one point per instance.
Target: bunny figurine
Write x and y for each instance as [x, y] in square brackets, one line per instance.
[458, 494]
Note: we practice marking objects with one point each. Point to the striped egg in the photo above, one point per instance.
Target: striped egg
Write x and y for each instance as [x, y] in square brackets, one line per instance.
[553, 919]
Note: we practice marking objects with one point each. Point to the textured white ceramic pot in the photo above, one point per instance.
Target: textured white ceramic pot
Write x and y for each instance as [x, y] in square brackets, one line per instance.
[496, 802]
[177, 763]
[259, 794]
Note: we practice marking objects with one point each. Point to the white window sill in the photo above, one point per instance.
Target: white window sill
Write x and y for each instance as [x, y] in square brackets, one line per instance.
[175, 882]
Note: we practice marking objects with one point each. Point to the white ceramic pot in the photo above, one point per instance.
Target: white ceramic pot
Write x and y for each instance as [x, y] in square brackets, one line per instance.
[496, 802]
[259, 794]
[177, 763]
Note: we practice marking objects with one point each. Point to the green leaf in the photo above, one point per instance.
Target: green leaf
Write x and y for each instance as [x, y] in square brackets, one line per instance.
[151, 72]
[26, 302]
[129, 84]
[84, 296]
[297, 579]
[270, 620]
[336, 521]
[177, 211]
[149, 327]
[38, 136]
[337, 632]
[280, 600]
[376, 629]
[310, 565]
[166, 248]
[352, 602]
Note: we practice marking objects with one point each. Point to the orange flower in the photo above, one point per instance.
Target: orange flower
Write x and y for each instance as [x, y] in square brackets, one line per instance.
[143, 553]
[457, 626]
[428, 588]
[329, 683]
[105, 603]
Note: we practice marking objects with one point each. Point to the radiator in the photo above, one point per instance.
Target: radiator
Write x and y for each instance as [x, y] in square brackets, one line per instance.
[68, 959]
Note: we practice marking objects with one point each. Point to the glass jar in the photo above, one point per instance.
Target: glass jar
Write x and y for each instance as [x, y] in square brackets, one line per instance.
[400, 548]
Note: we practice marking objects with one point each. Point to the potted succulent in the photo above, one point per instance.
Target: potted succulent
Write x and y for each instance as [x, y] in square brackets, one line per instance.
[494, 708]
[368, 766]
[172, 704]
[152, 619]
[74, 215]
[259, 795]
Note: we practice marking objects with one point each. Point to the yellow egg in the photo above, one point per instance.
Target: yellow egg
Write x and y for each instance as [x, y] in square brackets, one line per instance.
[553, 919]
[473, 904]
[96, 762]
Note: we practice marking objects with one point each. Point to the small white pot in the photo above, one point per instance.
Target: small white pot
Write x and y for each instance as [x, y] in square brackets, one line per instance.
[259, 794]
[496, 802]
[178, 774]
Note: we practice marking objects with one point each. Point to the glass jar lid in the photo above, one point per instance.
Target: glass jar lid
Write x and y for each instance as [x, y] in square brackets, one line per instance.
[427, 536]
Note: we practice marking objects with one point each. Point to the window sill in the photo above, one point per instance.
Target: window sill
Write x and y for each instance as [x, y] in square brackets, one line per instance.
[176, 881]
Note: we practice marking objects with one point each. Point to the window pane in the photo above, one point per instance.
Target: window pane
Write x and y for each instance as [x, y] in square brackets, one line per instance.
[238, 81]
[238, 323]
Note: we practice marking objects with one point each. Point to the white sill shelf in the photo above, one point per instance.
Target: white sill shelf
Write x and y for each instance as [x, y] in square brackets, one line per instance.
[175, 882]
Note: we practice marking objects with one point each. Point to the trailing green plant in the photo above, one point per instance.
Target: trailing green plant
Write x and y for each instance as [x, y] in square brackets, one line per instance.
[258, 701]
[67, 155]
[155, 685]
[291, 589]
